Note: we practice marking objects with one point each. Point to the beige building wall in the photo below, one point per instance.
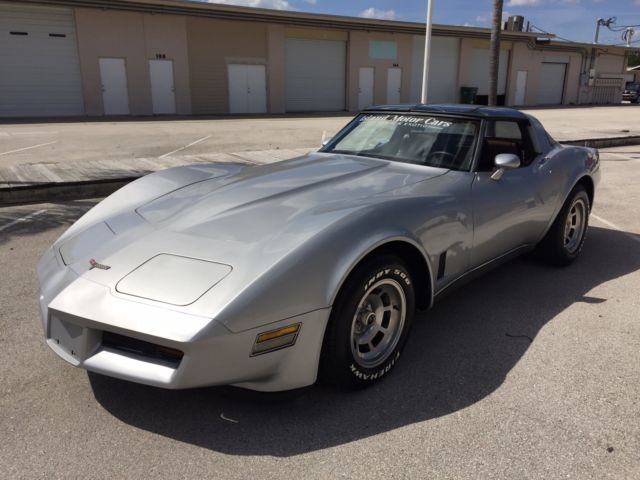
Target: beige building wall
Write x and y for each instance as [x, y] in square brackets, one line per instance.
[212, 45]
[166, 36]
[358, 56]
[137, 38]
[529, 60]
[107, 33]
[201, 50]
[610, 64]
[276, 69]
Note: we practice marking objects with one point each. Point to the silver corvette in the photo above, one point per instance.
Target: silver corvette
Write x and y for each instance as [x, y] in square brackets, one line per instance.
[266, 277]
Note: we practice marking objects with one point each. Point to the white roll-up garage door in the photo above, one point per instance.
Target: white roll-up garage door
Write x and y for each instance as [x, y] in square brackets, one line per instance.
[39, 66]
[316, 72]
[443, 71]
[551, 89]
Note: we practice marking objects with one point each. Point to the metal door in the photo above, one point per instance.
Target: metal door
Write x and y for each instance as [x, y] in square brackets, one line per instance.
[394, 81]
[162, 87]
[247, 89]
[115, 94]
[39, 65]
[521, 87]
[365, 87]
[315, 75]
[552, 78]
[257, 89]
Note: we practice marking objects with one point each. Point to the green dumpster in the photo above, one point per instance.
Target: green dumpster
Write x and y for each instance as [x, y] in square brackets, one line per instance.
[468, 95]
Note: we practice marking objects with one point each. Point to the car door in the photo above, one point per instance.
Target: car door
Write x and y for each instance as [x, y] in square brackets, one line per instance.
[507, 212]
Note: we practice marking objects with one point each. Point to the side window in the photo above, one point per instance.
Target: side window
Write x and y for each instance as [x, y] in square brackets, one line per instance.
[508, 130]
[505, 136]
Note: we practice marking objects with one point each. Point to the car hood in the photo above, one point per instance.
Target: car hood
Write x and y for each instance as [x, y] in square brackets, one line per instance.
[262, 201]
[239, 226]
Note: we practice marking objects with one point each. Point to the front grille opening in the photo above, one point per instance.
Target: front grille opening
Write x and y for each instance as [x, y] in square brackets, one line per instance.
[141, 348]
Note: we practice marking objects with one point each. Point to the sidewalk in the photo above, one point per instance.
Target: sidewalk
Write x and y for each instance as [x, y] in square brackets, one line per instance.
[71, 160]
[41, 182]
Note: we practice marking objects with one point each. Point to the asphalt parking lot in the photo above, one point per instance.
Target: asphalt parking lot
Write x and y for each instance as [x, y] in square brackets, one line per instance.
[530, 372]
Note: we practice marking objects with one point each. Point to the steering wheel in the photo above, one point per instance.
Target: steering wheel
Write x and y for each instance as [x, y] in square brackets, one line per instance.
[442, 156]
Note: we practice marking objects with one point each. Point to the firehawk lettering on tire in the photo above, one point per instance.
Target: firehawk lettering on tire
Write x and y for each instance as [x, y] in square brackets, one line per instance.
[269, 277]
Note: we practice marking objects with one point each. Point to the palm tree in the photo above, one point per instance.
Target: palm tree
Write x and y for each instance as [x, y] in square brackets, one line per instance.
[494, 61]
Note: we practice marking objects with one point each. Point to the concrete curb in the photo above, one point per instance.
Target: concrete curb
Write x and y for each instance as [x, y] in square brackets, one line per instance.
[55, 192]
[605, 142]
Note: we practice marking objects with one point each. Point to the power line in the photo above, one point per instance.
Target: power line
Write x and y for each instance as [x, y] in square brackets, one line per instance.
[621, 28]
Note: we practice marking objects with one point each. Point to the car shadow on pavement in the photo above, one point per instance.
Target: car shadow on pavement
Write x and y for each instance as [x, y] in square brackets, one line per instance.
[458, 354]
[28, 220]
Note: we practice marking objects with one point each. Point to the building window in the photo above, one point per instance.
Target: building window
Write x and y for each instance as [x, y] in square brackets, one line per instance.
[380, 50]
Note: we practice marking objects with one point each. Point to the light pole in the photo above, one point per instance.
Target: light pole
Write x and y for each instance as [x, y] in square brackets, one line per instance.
[427, 54]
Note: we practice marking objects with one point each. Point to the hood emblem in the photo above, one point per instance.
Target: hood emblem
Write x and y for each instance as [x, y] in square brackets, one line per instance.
[95, 264]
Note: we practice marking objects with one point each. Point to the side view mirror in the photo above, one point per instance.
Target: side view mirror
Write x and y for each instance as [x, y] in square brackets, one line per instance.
[505, 161]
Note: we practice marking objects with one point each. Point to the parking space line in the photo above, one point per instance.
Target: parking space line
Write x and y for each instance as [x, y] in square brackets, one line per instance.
[616, 227]
[28, 148]
[186, 146]
[22, 219]
[34, 132]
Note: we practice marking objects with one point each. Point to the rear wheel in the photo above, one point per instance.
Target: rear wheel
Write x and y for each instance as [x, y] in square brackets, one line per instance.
[369, 324]
[565, 239]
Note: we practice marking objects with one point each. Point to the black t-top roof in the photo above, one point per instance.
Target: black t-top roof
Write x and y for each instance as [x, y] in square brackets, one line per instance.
[479, 111]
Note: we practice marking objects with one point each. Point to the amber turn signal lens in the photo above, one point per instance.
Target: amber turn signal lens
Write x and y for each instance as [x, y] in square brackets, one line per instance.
[276, 339]
[263, 337]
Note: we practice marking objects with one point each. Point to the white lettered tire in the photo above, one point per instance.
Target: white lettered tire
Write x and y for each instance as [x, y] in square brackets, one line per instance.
[369, 324]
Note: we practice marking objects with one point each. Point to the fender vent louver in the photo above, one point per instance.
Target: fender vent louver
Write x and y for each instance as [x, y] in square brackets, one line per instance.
[442, 264]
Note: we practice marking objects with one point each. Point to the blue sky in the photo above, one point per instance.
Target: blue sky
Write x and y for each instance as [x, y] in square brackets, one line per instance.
[572, 19]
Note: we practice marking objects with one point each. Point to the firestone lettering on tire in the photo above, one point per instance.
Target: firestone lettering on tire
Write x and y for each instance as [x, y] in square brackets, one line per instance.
[379, 374]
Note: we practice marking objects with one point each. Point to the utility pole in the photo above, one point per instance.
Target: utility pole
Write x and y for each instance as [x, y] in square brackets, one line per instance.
[494, 61]
[601, 22]
[427, 54]
[628, 34]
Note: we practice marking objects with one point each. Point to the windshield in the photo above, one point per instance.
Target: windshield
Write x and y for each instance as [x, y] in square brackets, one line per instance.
[434, 141]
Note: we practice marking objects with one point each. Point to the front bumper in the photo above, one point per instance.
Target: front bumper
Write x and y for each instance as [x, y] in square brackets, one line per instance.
[76, 318]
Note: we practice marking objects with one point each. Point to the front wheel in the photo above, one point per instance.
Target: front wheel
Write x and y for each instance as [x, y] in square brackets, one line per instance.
[565, 239]
[369, 324]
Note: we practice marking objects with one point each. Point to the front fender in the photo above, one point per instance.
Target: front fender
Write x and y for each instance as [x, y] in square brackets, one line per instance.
[310, 277]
